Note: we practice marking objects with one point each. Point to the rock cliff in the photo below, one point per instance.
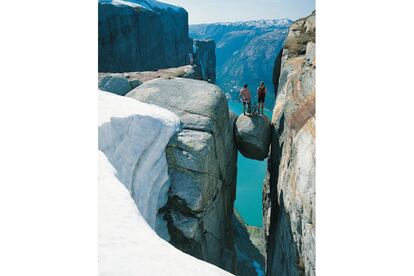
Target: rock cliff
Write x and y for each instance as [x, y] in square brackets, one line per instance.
[204, 52]
[133, 185]
[289, 189]
[141, 35]
[202, 160]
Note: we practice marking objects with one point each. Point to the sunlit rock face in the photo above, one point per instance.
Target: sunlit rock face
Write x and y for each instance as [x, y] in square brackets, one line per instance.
[289, 189]
[140, 35]
[202, 160]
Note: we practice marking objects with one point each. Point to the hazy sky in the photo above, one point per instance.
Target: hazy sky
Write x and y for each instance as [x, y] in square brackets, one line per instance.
[207, 11]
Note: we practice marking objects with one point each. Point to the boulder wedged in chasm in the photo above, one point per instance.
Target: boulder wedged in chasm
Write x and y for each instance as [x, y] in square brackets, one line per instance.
[289, 188]
[252, 134]
[202, 165]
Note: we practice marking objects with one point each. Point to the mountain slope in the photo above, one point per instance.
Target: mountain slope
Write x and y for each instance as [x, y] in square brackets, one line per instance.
[245, 52]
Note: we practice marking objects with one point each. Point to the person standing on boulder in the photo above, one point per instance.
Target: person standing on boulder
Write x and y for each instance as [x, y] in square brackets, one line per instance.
[245, 96]
[261, 93]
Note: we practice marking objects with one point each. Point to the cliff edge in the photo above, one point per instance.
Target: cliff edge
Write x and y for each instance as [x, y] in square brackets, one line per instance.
[289, 189]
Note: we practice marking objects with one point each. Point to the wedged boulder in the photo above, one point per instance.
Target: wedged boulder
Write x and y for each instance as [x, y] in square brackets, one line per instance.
[252, 135]
[202, 168]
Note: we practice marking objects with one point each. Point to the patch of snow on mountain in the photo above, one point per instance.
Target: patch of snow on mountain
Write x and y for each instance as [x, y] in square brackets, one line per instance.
[132, 178]
[133, 136]
[262, 23]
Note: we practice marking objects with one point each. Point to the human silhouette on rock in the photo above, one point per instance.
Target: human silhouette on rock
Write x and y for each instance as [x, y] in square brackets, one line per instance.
[246, 98]
[261, 94]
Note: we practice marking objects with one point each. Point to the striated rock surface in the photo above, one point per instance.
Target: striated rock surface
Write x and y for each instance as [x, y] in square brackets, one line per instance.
[252, 135]
[205, 59]
[289, 190]
[202, 168]
[141, 35]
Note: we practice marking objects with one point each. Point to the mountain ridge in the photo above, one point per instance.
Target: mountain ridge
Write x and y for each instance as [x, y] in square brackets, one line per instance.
[246, 51]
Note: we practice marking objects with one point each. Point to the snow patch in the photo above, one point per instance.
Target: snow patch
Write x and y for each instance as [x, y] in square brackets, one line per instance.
[133, 184]
[150, 5]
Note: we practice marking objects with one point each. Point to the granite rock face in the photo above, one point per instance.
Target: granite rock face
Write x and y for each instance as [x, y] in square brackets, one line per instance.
[202, 162]
[252, 136]
[289, 190]
[141, 35]
[205, 60]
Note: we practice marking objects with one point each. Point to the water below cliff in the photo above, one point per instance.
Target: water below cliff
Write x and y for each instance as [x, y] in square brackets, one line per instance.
[250, 176]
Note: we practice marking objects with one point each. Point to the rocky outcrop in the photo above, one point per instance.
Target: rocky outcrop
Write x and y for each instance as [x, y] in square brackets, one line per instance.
[204, 52]
[289, 190]
[122, 83]
[252, 134]
[141, 35]
[115, 83]
[202, 167]
[133, 185]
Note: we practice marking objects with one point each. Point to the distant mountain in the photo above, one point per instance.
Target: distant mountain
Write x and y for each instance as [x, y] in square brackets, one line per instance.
[246, 53]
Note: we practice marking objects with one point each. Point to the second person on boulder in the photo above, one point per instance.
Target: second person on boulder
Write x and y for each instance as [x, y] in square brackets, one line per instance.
[261, 93]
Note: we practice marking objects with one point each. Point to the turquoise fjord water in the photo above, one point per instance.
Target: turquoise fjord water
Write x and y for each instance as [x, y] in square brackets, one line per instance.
[250, 176]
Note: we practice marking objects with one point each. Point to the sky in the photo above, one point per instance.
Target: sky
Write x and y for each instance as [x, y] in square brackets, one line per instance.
[208, 11]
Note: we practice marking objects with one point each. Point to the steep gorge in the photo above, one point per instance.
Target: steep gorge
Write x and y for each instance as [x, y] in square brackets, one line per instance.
[198, 216]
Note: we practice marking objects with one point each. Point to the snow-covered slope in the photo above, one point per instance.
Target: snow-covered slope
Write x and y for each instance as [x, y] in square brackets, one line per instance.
[133, 173]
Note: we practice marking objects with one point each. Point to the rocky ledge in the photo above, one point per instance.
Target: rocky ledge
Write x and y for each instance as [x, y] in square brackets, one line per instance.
[122, 83]
[252, 134]
[202, 161]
